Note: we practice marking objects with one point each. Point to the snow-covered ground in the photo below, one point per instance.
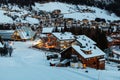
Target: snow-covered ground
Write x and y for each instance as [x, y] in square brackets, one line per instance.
[69, 11]
[30, 64]
[5, 19]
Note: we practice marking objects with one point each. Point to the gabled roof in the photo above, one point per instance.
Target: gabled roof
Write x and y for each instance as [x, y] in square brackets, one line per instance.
[6, 31]
[6, 34]
[25, 32]
[83, 39]
[46, 30]
[64, 36]
[109, 39]
[94, 51]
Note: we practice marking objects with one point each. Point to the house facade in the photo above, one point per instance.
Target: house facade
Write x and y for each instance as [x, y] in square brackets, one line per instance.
[23, 33]
[63, 40]
[88, 53]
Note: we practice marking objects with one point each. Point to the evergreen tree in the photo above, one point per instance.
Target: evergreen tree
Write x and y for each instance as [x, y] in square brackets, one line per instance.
[65, 27]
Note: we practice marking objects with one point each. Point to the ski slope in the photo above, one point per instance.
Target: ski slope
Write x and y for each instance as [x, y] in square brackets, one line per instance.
[30, 64]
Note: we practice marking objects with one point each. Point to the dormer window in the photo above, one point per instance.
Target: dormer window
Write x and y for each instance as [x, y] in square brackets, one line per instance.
[87, 51]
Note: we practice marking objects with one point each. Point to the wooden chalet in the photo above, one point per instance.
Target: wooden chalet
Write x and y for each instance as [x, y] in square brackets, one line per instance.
[55, 40]
[45, 38]
[63, 40]
[113, 39]
[88, 53]
[23, 33]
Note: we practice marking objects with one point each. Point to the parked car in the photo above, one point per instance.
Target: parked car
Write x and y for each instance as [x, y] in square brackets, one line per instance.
[52, 56]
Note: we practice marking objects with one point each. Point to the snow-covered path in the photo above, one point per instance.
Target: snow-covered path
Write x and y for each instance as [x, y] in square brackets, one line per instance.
[31, 64]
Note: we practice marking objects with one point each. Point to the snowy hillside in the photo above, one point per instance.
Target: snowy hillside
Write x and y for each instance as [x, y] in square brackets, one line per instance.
[28, 63]
[5, 19]
[69, 11]
[31, 64]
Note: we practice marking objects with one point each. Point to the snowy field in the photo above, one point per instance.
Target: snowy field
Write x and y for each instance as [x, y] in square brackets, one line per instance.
[30, 64]
[69, 11]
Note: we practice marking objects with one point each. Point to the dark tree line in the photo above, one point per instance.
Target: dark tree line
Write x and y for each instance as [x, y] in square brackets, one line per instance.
[95, 34]
[114, 7]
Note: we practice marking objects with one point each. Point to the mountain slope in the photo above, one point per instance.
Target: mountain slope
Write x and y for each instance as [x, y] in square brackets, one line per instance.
[70, 11]
[31, 64]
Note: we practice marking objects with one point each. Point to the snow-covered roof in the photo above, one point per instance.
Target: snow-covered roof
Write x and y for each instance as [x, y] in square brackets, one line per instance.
[116, 51]
[85, 40]
[7, 31]
[32, 20]
[94, 51]
[6, 34]
[25, 32]
[109, 39]
[47, 29]
[1, 45]
[4, 18]
[64, 36]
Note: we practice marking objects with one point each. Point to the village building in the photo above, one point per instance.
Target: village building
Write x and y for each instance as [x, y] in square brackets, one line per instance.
[87, 52]
[44, 37]
[23, 33]
[113, 39]
[63, 40]
[55, 40]
[6, 34]
[116, 53]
